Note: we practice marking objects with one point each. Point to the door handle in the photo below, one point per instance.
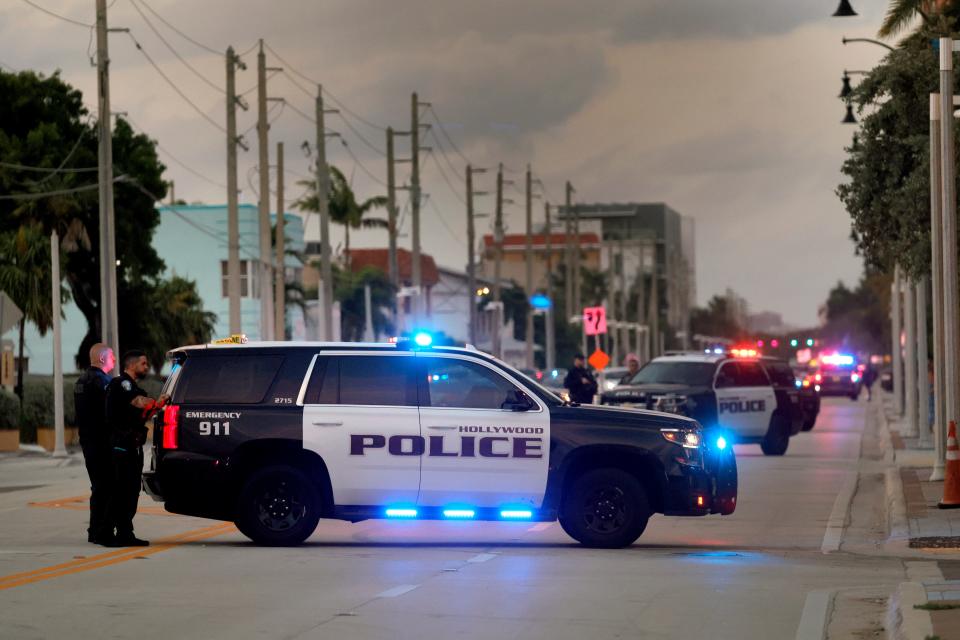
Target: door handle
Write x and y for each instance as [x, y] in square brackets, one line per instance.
[442, 426]
[328, 424]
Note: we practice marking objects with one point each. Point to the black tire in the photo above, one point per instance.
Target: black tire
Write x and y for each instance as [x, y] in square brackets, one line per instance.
[278, 506]
[605, 508]
[777, 440]
[809, 422]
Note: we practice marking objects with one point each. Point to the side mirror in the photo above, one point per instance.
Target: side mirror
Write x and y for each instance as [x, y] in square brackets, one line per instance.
[518, 401]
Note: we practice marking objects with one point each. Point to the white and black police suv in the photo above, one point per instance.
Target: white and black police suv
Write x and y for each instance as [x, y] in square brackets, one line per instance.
[742, 397]
[275, 436]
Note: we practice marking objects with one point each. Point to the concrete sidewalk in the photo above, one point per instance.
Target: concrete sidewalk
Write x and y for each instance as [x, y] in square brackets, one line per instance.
[929, 605]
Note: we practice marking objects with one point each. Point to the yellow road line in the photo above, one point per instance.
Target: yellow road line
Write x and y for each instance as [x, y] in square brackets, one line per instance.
[111, 557]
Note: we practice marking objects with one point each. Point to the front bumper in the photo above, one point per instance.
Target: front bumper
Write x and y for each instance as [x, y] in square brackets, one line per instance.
[699, 491]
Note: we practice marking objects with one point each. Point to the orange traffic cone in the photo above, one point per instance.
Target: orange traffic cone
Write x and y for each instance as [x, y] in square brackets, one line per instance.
[951, 484]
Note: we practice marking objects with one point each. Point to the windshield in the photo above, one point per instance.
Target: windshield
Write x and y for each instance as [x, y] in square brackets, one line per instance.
[699, 374]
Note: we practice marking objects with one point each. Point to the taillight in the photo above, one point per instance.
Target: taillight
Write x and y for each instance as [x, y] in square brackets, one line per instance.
[171, 426]
[818, 377]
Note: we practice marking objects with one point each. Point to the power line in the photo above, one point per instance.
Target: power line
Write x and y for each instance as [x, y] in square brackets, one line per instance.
[443, 174]
[446, 135]
[361, 165]
[208, 82]
[181, 33]
[303, 115]
[332, 97]
[57, 15]
[58, 192]
[446, 159]
[183, 164]
[251, 48]
[453, 234]
[173, 85]
[51, 170]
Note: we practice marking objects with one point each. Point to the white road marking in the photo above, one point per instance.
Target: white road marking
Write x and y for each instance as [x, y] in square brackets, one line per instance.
[482, 557]
[397, 591]
[813, 620]
[838, 517]
[541, 526]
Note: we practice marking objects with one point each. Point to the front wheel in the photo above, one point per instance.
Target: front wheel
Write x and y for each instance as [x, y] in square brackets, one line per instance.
[606, 509]
[777, 440]
[278, 507]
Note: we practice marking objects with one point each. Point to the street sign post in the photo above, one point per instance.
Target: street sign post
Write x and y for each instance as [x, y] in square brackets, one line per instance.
[594, 320]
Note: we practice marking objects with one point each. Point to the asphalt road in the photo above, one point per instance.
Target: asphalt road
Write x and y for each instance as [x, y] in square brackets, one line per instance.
[760, 573]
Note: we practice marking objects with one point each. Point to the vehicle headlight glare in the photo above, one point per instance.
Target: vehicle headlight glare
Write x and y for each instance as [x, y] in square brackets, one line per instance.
[721, 443]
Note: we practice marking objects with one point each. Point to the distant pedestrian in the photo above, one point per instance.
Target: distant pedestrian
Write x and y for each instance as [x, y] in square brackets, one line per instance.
[580, 382]
[89, 397]
[869, 377]
[126, 404]
[633, 365]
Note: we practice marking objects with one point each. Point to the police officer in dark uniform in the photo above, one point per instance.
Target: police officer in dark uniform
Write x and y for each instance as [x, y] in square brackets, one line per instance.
[580, 382]
[89, 395]
[126, 406]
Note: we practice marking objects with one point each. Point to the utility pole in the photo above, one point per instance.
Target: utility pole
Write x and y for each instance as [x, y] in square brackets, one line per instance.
[568, 255]
[897, 353]
[923, 378]
[497, 260]
[109, 329]
[529, 261]
[549, 318]
[323, 178]
[623, 335]
[266, 279]
[612, 337]
[471, 259]
[280, 284]
[59, 448]
[654, 308]
[233, 215]
[416, 274]
[936, 271]
[172, 193]
[642, 349]
[392, 265]
[577, 284]
[951, 323]
[909, 428]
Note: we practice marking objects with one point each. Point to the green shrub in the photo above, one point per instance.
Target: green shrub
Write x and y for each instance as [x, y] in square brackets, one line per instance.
[9, 410]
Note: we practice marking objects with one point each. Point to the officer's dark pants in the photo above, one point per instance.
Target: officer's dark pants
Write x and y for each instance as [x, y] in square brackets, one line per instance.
[100, 471]
[127, 469]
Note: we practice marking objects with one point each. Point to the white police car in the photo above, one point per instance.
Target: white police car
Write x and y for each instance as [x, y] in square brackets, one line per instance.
[730, 393]
[274, 436]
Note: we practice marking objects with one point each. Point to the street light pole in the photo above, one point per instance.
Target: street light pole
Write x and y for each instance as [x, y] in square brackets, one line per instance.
[936, 274]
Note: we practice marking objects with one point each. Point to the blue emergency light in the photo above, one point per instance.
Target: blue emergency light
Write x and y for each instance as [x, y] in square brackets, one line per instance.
[540, 301]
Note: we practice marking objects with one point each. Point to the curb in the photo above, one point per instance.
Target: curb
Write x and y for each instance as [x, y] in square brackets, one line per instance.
[903, 622]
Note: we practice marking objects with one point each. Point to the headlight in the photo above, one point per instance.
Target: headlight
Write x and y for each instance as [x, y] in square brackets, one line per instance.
[687, 438]
[609, 384]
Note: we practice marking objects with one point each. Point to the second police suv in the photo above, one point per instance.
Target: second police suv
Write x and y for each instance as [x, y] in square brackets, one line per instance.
[749, 399]
[275, 436]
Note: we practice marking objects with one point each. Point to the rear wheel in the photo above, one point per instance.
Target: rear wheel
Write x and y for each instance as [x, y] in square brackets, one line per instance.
[278, 506]
[809, 421]
[605, 508]
[777, 440]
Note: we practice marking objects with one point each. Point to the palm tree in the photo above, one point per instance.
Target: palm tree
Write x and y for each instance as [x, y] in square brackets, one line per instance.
[343, 206]
[935, 15]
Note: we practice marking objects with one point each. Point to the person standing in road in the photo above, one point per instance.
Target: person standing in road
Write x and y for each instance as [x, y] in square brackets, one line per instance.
[869, 377]
[125, 407]
[633, 365]
[89, 396]
[580, 382]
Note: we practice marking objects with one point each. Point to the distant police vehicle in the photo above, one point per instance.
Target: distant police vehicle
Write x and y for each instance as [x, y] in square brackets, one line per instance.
[838, 375]
[719, 390]
[274, 436]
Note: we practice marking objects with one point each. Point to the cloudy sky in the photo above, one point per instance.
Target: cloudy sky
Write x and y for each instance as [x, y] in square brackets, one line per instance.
[726, 110]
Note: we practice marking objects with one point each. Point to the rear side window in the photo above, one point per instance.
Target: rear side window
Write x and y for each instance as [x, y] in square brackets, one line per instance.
[750, 374]
[362, 380]
[229, 379]
[781, 374]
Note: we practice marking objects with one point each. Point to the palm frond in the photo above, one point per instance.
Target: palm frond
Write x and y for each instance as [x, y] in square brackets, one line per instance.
[899, 16]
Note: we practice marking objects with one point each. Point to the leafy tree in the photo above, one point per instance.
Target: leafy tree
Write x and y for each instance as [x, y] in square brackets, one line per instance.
[349, 292]
[857, 318]
[715, 320]
[43, 123]
[935, 15]
[180, 318]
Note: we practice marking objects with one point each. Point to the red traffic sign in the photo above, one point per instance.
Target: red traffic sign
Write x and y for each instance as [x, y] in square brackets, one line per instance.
[599, 360]
[594, 320]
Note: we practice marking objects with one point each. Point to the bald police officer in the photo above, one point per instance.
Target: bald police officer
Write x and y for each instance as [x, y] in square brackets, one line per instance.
[89, 395]
[125, 406]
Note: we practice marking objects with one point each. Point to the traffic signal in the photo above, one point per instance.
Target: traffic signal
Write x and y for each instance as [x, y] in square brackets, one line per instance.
[794, 342]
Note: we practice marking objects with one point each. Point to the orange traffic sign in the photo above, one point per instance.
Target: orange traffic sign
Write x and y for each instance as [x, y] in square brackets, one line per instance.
[599, 360]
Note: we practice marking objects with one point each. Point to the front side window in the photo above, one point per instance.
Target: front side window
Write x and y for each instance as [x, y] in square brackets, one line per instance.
[727, 376]
[452, 383]
[750, 374]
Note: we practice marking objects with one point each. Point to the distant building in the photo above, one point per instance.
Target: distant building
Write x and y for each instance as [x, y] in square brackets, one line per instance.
[513, 267]
[737, 308]
[767, 322]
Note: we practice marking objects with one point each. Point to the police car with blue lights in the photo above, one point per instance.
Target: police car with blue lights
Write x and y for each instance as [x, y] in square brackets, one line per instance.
[275, 436]
[746, 398]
